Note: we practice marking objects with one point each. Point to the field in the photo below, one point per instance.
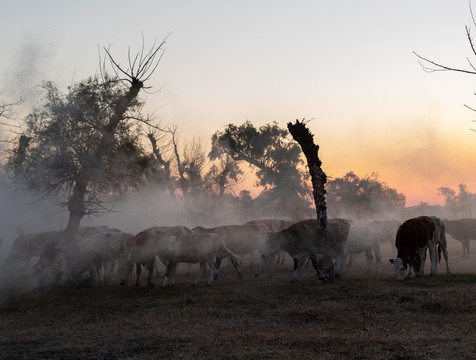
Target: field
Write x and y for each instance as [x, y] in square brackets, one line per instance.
[358, 317]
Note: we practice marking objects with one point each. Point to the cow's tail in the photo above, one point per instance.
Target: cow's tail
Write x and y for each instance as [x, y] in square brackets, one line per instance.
[231, 253]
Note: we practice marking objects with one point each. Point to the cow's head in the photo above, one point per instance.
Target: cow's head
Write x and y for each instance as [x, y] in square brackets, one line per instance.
[270, 246]
[400, 267]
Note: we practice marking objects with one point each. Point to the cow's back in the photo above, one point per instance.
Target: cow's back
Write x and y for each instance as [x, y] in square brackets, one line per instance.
[413, 234]
[462, 229]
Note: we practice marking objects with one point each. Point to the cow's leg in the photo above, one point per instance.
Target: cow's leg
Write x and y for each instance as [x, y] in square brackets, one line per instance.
[203, 267]
[315, 263]
[236, 266]
[350, 258]
[217, 265]
[213, 269]
[445, 255]
[466, 247]
[156, 265]
[433, 258]
[339, 265]
[122, 266]
[150, 269]
[369, 257]
[138, 272]
[297, 266]
[298, 262]
[169, 273]
[378, 257]
[421, 268]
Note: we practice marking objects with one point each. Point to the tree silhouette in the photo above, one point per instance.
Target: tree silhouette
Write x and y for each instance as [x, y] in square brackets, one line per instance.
[274, 157]
[85, 142]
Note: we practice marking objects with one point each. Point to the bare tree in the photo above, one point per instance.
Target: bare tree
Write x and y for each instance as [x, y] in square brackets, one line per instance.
[304, 137]
[433, 66]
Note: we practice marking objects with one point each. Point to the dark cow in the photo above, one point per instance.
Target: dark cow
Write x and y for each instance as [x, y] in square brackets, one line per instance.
[273, 225]
[301, 241]
[462, 230]
[148, 244]
[413, 237]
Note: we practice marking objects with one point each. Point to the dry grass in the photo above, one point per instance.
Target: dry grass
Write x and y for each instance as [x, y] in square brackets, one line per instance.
[359, 317]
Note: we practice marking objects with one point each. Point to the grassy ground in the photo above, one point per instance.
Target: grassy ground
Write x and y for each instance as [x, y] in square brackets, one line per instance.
[358, 317]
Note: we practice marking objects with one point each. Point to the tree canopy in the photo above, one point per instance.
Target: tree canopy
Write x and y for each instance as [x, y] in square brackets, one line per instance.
[273, 155]
[357, 197]
[66, 138]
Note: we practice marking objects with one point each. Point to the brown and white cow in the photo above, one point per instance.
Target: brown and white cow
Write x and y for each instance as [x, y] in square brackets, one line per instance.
[240, 239]
[413, 237]
[150, 243]
[440, 239]
[201, 248]
[301, 241]
[462, 230]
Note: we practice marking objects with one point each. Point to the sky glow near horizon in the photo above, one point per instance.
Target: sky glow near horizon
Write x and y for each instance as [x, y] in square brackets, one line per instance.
[347, 66]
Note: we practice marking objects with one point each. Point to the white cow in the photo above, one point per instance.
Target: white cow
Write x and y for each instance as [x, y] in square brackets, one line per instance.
[57, 255]
[99, 253]
[240, 239]
[364, 237]
[201, 248]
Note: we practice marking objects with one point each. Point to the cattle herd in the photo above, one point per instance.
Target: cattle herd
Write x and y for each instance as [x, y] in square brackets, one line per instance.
[105, 255]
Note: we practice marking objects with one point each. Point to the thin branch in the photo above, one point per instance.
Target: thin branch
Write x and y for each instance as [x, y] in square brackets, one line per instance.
[439, 66]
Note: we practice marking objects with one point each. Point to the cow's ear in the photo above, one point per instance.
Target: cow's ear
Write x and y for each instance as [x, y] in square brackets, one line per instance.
[391, 260]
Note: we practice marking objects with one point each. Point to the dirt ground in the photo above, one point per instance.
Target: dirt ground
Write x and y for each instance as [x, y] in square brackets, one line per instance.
[361, 316]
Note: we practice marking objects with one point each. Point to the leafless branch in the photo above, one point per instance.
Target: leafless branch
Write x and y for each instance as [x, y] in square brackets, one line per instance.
[438, 67]
[142, 65]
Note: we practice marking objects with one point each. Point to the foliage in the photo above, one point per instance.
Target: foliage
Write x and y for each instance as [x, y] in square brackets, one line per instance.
[67, 133]
[357, 197]
[274, 157]
[461, 203]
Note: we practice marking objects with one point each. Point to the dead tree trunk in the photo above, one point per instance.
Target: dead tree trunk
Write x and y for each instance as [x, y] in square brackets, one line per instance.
[303, 136]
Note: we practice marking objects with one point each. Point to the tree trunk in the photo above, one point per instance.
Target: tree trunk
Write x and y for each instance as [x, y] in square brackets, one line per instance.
[165, 164]
[305, 139]
[23, 143]
[76, 204]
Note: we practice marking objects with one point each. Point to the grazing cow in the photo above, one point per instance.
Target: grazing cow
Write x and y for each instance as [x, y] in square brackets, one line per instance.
[102, 251]
[274, 225]
[148, 244]
[412, 239]
[202, 248]
[27, 246]
[240, 239]
[364, 237]
[301, 240]
[462, 230]
[57, 254]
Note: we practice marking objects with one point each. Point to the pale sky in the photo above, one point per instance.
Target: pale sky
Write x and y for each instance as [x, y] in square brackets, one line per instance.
[348, 65]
